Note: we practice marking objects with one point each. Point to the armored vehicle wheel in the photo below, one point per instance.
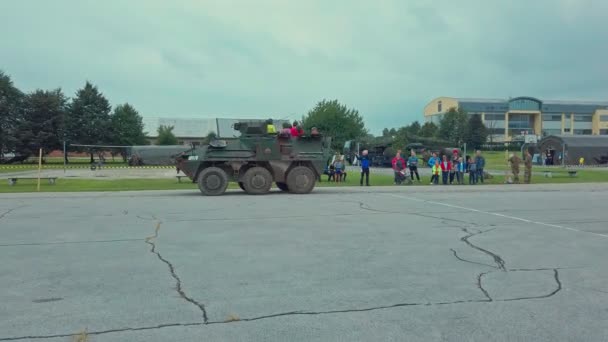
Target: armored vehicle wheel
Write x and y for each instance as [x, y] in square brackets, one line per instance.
[212, 181]
[301, 180]
[282, 186]
[257, 180]
[241, 186]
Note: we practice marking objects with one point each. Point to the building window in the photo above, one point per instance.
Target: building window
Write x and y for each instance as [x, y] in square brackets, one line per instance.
[583, 118]
[439, 106]
[582, 131]
[494, 117]
[603, 131]
[553, 117]
[524, 104]
[496, 131]
[604, 118]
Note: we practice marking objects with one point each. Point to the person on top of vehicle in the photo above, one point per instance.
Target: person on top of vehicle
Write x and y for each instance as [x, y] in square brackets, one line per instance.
[286, 131]
[270, 129]
[294, 130]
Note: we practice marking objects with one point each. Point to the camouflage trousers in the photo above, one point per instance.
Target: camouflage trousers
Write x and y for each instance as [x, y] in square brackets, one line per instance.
[515, 172]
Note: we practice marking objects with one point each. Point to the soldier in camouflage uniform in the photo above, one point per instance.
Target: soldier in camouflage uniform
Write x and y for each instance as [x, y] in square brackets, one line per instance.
[528, 165]
[515, 161]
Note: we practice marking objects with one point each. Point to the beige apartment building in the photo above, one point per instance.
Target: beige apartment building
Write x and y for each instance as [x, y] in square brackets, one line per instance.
[507, 119]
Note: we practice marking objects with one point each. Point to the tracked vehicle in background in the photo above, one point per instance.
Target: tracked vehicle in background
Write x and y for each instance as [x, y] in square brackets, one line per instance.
[255, 160]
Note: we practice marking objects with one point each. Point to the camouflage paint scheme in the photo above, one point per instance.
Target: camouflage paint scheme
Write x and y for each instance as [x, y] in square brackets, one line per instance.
[276, 153]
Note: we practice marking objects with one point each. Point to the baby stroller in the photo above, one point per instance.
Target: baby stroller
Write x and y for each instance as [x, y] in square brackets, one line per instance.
[401, 177]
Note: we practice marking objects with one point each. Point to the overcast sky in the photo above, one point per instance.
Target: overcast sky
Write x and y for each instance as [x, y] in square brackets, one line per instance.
[272, 58]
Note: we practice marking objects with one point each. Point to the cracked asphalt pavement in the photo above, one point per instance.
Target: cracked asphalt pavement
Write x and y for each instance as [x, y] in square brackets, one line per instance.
[456, 263]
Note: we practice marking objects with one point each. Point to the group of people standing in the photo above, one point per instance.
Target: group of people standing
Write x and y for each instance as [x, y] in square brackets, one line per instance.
[454, 169]
[514, 160]
[451, 170]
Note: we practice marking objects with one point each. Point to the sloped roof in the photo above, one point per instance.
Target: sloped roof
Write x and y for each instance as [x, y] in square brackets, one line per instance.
[579, 140]
[480, 100]
[581, 102]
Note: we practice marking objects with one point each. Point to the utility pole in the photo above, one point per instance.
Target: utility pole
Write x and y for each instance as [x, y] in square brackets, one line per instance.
[65, 156]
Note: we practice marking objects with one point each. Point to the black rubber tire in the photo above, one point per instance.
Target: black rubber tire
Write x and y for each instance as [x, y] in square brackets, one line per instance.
[301, 180]
[257, 181]
[241, 186]
[282, 186]
[212, 181]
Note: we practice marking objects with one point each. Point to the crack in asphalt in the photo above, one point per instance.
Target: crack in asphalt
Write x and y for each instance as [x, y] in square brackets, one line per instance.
[469, 261]
[8, 211]
[500, 265]
[551, 294]
[65, 242]
[178, 281]
[101, 332]
[480, 286]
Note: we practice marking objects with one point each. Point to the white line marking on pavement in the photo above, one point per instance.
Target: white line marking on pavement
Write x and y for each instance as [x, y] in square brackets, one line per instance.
[499, 215]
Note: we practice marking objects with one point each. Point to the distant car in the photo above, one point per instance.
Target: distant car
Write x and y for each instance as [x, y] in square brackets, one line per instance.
[12, 157]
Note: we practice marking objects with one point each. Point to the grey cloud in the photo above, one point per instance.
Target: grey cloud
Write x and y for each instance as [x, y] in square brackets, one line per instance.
[271, 57]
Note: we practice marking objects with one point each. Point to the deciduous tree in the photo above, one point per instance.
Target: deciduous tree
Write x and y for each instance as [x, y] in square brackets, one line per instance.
[337, 121]
[11, 100]
[166, 136]
[477, 132]
[88, 118]
[453, 126]
[41, 127]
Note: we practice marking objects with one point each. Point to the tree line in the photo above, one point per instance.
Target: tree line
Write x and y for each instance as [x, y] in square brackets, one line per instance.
[44, 119]
[455, 129]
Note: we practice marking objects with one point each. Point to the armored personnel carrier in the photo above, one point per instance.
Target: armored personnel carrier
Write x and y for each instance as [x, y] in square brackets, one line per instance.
[257, 159]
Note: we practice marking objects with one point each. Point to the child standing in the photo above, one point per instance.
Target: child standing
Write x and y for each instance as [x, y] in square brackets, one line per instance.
[472, 171]
[435, 172]
[446, 168]
[339, 168]
[412, 162]
[460, 170]
[364, 168]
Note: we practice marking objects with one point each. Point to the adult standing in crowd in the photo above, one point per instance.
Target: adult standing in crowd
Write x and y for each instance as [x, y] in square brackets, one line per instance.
[398, 167]
[481, 163]
[515, 161]
[412, 162]
[528, 167]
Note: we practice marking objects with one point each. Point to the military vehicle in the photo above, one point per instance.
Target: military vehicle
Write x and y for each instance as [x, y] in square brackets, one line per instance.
[255, 159]
[152, 154]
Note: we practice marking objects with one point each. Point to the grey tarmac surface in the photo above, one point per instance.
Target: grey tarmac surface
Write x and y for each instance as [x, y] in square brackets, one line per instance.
[456, 263]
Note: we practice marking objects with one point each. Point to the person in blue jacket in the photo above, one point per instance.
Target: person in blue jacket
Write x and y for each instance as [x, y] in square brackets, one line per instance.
[481, 164]
[432, 160]
[364, 160]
